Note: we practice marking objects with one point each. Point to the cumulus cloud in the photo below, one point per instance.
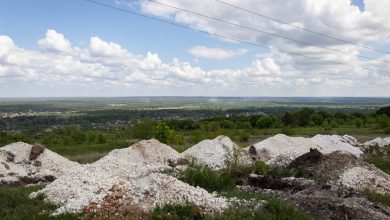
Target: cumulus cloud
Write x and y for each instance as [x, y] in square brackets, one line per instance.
[215, 53]
[55, 41]
[99, 47]
[334, 17]
[107, 66]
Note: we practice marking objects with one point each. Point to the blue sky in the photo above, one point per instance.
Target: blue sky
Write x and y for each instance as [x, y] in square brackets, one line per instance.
[195, 61]
[78, 20]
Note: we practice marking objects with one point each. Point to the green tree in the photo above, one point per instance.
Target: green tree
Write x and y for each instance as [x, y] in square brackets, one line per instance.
[317, 119]
[265, 122]
[304, 116]
[162, 132]
[288, 119]
[143, 129]
[384, 110]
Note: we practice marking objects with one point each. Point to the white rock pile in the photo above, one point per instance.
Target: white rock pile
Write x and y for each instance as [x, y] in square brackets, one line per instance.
[137, 173]
[217, 153]
[282, 149]
[331, 143]
[377, 142]
[366, 177]
[22, 163]
[146, 152]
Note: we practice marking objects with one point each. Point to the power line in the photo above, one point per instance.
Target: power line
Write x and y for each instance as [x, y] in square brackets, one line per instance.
[263, 32]
[226, 37]
[304, 29]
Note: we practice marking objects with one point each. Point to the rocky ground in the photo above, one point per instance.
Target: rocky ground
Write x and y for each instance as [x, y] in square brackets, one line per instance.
[135, 180]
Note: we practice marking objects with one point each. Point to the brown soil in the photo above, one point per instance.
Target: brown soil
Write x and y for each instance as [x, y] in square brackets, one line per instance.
[36, 150]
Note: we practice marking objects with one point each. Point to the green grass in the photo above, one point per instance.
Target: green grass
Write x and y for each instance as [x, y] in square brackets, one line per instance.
[380, 159]
[224, 182]
[373, 196]
[382, 163]
[273, 209]
[15, 204]
[208, 179]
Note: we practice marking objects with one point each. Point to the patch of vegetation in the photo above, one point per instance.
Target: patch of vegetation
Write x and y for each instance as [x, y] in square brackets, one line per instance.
[380, 158]
[273, 209]
[177, 212]
[15, 205]
[382, 163]
[208, 179]
[373, 196]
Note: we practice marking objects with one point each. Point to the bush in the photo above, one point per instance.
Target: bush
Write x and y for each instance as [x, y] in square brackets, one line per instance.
[387, 130]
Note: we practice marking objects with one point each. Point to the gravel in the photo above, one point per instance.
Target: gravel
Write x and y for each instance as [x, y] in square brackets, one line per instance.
[377, 142]
[137, 172]
[331, 143]
[282, 149]
[17, 167]
[217, 153]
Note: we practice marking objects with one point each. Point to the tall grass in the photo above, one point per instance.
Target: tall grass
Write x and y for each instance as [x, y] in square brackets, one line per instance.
[373, 196]
[15, 205]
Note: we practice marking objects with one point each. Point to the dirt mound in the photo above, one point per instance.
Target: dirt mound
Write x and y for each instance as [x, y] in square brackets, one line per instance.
[22, 163]
[146, 152]
[306, 160]
[124, 179]
[331, 143]
[345, 169]
[216, 153]
[325, 201]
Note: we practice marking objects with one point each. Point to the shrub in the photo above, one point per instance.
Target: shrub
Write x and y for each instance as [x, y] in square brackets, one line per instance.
[387, 130]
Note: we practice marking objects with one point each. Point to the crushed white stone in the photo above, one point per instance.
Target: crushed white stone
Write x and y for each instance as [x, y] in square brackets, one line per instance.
[366, 177]
[377, 142]
[345, 144]
[217, 153]
[15, 164]
[282, 149]
[147, 151]
[137, 171]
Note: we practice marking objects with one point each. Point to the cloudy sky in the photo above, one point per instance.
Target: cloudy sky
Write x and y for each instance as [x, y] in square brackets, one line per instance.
[77, 48]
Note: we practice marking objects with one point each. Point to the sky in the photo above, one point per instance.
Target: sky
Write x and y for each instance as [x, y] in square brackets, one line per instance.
[52, 48]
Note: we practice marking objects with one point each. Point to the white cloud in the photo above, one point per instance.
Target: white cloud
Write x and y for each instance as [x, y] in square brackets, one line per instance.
[98, 47]
[105, 66]
[55, 41]
[215, 53]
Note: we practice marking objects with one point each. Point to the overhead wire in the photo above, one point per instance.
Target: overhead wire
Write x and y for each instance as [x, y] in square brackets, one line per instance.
[263, 32]
[302, 28]
[227, 37]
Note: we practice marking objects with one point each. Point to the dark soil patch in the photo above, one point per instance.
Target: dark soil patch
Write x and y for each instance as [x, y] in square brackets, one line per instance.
[36, 150]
